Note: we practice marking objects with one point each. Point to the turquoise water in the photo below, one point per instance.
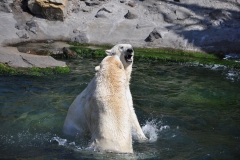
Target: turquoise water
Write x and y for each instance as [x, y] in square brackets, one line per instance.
[187, 111]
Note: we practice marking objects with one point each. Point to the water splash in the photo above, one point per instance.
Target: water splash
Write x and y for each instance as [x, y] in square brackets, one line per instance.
[152, 128]
[232, 75]
[60, 141]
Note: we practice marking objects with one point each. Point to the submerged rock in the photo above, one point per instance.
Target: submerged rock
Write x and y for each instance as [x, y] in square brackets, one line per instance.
[69, 53]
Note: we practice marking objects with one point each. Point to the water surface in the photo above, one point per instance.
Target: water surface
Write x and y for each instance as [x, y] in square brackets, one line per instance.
[187, 111]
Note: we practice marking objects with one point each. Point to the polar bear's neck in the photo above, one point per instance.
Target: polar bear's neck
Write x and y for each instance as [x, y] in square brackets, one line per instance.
[128, 72]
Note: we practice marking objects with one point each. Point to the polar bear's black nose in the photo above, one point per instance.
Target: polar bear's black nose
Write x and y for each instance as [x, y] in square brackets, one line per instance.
[129, 50]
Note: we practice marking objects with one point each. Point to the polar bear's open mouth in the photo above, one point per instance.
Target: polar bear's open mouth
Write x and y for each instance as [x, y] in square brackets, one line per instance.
[128, 58]
[129, 55]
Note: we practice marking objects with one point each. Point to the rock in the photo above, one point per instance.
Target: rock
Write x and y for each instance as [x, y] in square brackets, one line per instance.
[220, 15]
[51, 9]
[182, 14]
[4, 6]
[49, 41]
[130, 15]
[69, 53]
[76, 31]
[131, 4]
[153, 35]
[13, 58]
[102, 13]
[42, 61]
[156, 34]
[20, 26]
[35, 7]
[192, 25]
[122, 1]
[92, 3]
[143, 25]
[170, 17]
[32, 26]
[80, 38]
[64, 53]
[23, 34]
[85, 9]
[76, 10]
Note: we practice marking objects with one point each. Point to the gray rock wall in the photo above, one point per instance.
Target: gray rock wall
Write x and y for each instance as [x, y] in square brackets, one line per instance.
[206, 25]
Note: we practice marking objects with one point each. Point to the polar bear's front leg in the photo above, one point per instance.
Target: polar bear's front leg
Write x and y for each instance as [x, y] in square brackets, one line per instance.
[135, 124]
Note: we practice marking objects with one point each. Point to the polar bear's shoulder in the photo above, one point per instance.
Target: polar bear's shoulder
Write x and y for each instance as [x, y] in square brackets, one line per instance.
[110, 61]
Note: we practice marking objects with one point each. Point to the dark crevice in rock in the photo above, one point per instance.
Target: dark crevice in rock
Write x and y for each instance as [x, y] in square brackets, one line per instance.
[24, 6]
[26, 61]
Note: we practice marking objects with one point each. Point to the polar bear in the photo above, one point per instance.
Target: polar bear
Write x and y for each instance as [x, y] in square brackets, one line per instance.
[87, 112]
[126, 53]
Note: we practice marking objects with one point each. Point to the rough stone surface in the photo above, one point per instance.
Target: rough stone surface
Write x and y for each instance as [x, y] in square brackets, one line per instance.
[32, 26]
[102, 13]
[92, 2]
[50, 9]
[69, 53]
[23, 34]
[80, 38]
[155, 34]
[4, 6]
[130, 15]
[34, 7]
[209, 26]
[13, 58]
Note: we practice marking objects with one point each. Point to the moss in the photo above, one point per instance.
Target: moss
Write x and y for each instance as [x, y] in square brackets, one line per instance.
[4, 69]
[61, 70]
[156, 55]
[34, 71]
[88, 52]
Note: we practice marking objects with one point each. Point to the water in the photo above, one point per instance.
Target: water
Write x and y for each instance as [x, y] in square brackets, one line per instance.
[187, 112]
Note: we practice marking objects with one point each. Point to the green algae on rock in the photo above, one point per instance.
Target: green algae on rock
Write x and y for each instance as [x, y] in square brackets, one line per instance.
[154, 54]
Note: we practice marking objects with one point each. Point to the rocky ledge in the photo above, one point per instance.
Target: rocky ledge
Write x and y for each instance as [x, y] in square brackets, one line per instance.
[207, 26]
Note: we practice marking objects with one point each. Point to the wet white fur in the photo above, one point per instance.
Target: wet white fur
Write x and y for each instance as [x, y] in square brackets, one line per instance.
[105, 107]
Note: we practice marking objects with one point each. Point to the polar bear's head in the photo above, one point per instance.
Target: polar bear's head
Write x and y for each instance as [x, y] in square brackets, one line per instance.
[124, 52]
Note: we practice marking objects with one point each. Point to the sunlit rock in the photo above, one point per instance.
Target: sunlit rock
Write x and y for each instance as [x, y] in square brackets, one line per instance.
[49, 9]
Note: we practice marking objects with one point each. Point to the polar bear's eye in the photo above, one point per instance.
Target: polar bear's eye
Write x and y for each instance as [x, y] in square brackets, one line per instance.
[121, 47]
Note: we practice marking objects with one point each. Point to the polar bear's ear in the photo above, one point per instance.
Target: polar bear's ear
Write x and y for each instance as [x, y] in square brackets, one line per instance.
[110, 53]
